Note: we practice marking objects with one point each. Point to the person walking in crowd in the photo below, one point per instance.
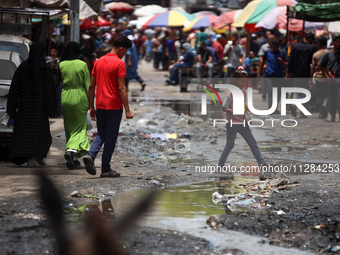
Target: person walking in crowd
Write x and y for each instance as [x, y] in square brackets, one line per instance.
[330, 64]
[31, 101]
[276, 63]
[263, 49]
[108, 75]
[131, 61]
[238, 123]
[187, 61]
[318, 79]
[148, 49]
[204, 57]
[234, 52]
[299, 66]
[75, 77]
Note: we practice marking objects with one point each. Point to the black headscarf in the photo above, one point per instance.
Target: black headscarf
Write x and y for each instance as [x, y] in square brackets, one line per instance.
[71, 52]
[36, 61]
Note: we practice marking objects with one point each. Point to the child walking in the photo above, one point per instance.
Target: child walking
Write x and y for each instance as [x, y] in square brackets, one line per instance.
[238, 123]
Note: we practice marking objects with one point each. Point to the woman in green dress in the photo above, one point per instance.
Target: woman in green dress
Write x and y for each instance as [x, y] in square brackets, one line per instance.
[75, 77]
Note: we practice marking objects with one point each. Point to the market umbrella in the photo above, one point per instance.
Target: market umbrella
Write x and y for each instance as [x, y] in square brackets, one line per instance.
[169, 19]
[203, 21]
[226, 19]
[202, 13]
[88, 24]
[255, 11]
[277, 18]
[140, 21]
[101, 22]
[321, 12]
[120, 7]
[148, 10]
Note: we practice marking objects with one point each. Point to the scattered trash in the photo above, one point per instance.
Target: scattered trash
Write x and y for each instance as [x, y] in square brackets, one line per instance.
[335, 248]
[74, 194]
[235, 203]
[80, 210]
[156, 182]
[216, 197]
[319, 227]
[280, 212]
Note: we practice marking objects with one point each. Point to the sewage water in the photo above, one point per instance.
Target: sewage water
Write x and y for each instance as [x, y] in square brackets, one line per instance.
[186, 209]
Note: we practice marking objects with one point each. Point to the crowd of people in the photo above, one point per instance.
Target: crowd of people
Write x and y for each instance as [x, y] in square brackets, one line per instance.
[271, 62]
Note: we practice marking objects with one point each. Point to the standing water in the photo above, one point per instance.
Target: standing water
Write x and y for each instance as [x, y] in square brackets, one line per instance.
[186, 209]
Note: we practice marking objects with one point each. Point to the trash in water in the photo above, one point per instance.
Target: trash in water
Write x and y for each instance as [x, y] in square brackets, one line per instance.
[80, 210]
[216, 197]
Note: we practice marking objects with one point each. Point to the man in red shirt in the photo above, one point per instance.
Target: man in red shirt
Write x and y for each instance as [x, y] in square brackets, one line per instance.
[108, 75]
[218, 47]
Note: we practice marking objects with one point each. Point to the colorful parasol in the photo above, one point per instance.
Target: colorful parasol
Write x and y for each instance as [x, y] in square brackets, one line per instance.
[203, 21]
[277, 18]
[120, 7]
[202, 13]
[255, 11]
[226, 18]
[88, 24]
[101, 22]
[169, 19]
[149, 10]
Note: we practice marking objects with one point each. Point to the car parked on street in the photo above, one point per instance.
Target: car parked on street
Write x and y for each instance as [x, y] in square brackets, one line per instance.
[9, 62]
[15, 43]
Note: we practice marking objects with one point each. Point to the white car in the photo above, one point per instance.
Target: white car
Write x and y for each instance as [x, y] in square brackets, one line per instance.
[14, 43]
[9, 62]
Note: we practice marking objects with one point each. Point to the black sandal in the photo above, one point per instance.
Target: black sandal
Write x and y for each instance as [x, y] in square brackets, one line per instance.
[111, 173]
[143, 86]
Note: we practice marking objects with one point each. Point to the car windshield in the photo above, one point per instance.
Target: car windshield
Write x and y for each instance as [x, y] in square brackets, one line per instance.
[7, 69]
[20, 48]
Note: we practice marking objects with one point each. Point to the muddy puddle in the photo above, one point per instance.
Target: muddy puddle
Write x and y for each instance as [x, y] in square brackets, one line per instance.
[178, 106]
[187, 208]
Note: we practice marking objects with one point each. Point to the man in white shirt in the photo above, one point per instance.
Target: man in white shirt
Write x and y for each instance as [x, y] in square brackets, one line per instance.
[234, 52]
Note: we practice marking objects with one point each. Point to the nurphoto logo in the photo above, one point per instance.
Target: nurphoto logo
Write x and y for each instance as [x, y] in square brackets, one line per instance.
[239, 101]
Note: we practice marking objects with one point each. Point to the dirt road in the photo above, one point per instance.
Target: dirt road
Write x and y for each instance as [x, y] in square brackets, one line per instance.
[143, 156]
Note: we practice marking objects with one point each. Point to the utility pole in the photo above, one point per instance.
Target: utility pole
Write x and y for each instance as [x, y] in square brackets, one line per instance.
[74, 17]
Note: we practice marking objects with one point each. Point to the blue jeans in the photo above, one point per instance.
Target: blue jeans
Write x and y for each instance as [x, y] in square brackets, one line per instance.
[138, 78]
[245, 132]
[199, 70]
[174, 72]
[108, 122]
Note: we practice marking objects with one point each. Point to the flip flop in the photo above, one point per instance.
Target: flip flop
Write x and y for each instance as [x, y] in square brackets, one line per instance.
[110, 174]
[89, 165]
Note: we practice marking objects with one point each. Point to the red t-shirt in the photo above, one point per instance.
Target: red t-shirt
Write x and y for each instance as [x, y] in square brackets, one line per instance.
[107, 70]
